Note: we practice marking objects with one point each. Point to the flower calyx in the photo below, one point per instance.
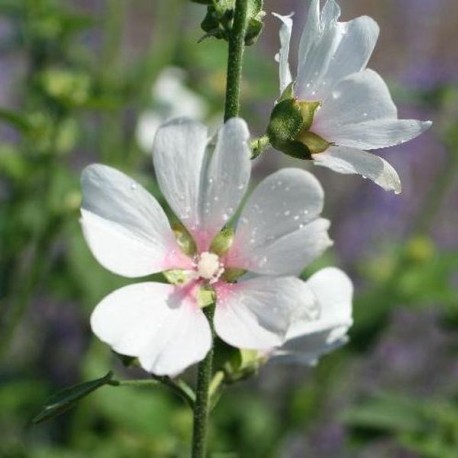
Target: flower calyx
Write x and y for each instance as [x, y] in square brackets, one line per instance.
[289, 127]
[219, 19]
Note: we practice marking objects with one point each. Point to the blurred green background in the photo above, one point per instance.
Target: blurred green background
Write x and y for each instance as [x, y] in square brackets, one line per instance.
[83, 81]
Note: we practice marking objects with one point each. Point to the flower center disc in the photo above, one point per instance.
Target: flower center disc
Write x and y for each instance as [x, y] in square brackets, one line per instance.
[209, 267]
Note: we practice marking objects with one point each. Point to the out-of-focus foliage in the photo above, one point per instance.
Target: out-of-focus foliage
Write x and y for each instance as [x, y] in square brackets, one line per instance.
[75, 76]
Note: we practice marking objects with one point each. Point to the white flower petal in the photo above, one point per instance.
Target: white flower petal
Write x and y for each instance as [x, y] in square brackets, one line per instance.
[354, 161]
[380, 133]
[256, 313]
[159, 324]
[285, 37]
[203, 188]
[306, 341]
[226, 179]
[178, 156]
[331, 50]
[359, 97]
[360, 113]
[278, 232]
[125, 227]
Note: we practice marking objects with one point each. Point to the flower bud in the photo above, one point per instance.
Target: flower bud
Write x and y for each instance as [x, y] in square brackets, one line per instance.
[289, 125]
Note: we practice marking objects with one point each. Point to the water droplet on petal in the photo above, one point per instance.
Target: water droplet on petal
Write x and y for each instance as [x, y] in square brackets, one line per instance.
[133, 186]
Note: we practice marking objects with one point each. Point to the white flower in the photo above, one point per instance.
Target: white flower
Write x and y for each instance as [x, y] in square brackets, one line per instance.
[171, 98]
[356, 112]
[279, 232]
[306, 341]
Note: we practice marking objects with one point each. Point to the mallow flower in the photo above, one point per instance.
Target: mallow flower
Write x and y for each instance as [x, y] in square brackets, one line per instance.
[278, 232]
[344, 108]
[307, 340]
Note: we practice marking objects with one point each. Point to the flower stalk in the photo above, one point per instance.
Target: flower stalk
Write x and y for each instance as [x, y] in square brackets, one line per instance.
[202, 404]
[235, 59]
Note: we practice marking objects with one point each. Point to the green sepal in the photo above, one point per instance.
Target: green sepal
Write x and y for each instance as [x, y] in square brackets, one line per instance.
[69, 397]
[295, 149]
[184, 239]
[232, 274]
[255, 25]
[176, 276]
[285, 122]
[288, 93]
[313, 142]
[223, 241]
[206, 296]
[308, 112]
[236, 364]
[289, 125]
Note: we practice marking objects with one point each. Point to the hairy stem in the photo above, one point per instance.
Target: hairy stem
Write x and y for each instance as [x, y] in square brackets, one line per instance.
[235, 59]
[202, 403]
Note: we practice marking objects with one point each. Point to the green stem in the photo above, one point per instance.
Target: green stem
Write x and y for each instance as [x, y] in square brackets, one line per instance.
[202, 404]
[235, 59]
[179, 386]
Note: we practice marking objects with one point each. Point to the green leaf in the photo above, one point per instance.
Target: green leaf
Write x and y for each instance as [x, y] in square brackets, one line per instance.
[69, 397]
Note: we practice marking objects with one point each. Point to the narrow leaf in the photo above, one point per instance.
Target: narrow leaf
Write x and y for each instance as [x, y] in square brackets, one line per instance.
[69, 397]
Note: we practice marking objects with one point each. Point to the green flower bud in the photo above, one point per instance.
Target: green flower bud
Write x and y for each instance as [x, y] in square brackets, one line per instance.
[218, 21]
[289, 125]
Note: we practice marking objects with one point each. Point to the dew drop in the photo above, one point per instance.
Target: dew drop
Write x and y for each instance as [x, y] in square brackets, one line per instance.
[296, 218]
[287, 213]
[210, 180]
[133, 186]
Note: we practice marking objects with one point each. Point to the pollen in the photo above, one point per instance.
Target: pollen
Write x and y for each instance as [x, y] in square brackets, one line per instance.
[209, 267]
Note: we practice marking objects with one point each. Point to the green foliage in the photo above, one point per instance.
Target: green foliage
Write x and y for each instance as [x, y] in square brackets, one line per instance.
[429, 427]
[66, 399]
